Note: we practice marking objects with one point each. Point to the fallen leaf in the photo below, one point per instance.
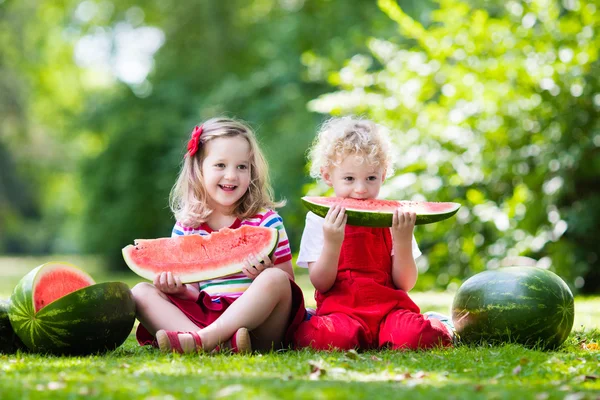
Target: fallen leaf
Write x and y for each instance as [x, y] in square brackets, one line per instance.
[353, 355]
[56, 385]
[575, 396]
[478, 388]
[316, 370]
[229, 390]
[590, 346]
[420, 375]
[401, 377]
[516, 370]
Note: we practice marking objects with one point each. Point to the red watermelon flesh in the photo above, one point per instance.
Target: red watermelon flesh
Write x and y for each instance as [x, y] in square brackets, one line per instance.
[56, 281]
[195, 258]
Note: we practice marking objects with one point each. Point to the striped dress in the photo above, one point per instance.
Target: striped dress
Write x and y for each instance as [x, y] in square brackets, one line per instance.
[234, 285]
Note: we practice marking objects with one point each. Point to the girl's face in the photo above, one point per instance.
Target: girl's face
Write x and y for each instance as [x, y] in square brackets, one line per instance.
[226, 172]
[355, 179]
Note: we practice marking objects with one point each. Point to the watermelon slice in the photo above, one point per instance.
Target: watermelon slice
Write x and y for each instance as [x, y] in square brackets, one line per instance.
[378, 213]
[57, 308]
[197, 258]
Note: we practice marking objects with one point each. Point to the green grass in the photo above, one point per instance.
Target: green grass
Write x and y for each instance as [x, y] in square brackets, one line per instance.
[133, 372]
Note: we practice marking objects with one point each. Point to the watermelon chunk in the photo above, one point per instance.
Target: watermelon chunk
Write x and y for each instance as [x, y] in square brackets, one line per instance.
[378, 213]
[57, 308]
[526, 305]
[196, 258]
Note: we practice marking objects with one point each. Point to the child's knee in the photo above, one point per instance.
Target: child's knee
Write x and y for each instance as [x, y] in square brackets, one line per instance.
[275, 281]
[143, 292]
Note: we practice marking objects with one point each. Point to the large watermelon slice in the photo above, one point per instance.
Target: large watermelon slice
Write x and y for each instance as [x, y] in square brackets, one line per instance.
[378, 213]
[9, 341]
[526, 305]
[196, 258]
[57, 308]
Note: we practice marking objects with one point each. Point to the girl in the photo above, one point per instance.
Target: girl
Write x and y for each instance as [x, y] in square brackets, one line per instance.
[223, 183]
[361, 275]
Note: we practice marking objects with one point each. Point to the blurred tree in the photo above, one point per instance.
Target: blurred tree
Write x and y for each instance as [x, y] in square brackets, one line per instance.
[38, 93]
[238, 58]
[497, 112]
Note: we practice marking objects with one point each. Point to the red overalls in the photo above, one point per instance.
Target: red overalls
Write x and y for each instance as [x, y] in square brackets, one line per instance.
[363, 309]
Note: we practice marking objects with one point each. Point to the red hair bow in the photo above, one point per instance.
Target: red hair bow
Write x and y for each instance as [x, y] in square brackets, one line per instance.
[194, 142]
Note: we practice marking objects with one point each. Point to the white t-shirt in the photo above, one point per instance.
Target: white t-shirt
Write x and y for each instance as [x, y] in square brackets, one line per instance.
[312, 241]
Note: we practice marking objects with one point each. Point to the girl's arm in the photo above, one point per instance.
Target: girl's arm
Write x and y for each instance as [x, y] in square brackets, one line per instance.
[322, 272]
[404, 269]
[166, 282]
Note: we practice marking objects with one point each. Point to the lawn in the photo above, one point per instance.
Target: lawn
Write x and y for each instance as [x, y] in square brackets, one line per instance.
[132, 372]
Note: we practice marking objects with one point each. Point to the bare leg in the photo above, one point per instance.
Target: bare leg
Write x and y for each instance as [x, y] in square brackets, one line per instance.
[264, 309]
[155, 311]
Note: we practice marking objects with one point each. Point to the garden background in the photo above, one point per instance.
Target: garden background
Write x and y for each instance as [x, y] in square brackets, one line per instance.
[494, 105]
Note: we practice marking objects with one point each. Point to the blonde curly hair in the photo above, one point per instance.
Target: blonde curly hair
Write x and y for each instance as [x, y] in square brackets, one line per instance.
[189, 198]
[344, 136]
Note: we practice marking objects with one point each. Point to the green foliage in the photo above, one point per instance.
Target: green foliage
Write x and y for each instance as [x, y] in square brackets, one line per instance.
[239, 59]
[497, 112]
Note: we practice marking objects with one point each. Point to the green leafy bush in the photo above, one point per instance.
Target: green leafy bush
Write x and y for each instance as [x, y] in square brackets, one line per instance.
[497, 112]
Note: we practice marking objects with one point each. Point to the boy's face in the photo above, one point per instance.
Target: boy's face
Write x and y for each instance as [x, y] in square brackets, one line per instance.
[353, 178]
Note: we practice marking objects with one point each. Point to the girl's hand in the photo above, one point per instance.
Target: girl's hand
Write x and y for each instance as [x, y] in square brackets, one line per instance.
[403, 224]
[255, 265]
[335, 223]
[166, 282]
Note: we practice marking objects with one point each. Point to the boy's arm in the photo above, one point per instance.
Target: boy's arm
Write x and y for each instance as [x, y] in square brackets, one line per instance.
[404, 268]
[322, 272]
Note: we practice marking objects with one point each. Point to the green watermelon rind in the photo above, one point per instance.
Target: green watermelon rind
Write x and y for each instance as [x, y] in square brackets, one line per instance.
[201, 275]
[482, 312]
[90, 320]
[377, 219]
[9, 341]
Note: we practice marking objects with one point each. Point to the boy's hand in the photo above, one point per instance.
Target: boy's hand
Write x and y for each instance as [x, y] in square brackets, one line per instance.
[255, 265]
[403, 224]
[335, 223]
[166, 282]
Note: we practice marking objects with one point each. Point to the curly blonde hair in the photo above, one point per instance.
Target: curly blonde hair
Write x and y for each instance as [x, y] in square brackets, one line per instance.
[344, 136]
[189, 198]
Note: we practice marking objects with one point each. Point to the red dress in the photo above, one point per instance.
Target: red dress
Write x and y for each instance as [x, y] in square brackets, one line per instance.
[363, 309]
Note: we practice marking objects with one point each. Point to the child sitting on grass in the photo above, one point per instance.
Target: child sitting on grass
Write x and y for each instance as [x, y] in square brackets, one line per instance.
[361, 274]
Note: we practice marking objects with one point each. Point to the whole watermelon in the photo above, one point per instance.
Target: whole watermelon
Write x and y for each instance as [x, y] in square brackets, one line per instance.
[9, 341]
[526, 305]
[57, 308]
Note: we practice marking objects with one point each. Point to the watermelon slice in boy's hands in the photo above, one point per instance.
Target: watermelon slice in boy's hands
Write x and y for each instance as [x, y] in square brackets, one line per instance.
[378, 213]
[196, 258]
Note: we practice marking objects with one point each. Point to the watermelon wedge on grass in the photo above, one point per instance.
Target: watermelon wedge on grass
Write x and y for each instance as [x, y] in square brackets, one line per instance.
[196, 258]
[527, 305]
[378, 213]
[57, 308]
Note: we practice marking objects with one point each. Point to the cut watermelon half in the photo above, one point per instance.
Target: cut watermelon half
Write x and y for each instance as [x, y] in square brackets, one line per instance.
[196, 258]
[378, 213]
[54, 280]
[57, 308]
